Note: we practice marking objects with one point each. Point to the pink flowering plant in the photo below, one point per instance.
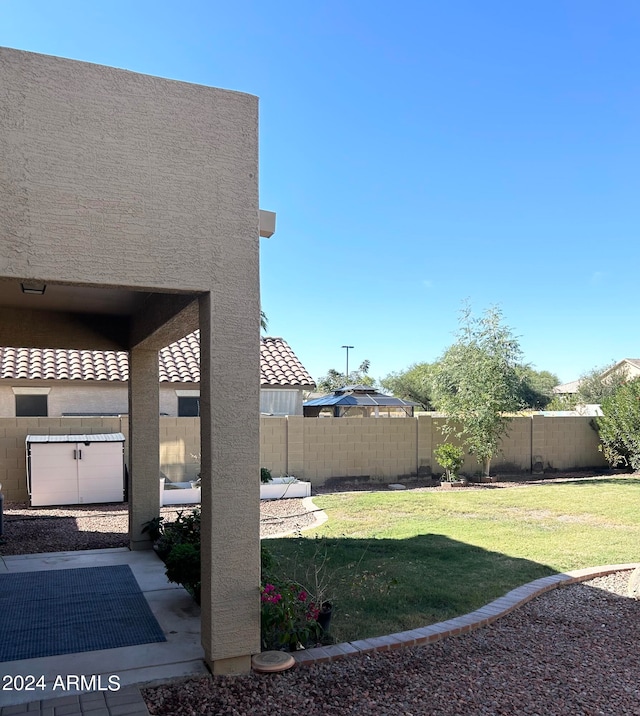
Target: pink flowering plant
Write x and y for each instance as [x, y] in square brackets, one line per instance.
[289, 616]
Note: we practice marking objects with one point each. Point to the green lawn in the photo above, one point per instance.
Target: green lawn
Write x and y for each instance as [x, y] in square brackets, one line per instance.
[397, 560]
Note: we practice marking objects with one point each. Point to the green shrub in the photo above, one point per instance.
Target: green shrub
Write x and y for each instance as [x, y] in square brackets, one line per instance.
[451, 458]
[154, 528]
[289, 611]
[183, 567]
[267, 562]
[288, 616]
[185, 530]
[619, 426]
[265, 475]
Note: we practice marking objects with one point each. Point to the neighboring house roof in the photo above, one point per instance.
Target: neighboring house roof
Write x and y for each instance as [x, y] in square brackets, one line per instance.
[279, 365]
[566, 388]
[625, 363]
[179, 363]
[49, 364]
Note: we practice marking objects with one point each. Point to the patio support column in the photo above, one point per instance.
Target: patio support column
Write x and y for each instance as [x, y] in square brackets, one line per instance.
[144, 443]
[230, 446]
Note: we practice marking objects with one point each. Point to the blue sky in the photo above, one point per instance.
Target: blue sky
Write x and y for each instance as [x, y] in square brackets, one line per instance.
[417, 154]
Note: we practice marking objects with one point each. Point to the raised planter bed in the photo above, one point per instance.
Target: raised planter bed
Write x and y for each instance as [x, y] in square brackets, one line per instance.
[453, 485]
[183, 493]
[281, 487]
[180, 493]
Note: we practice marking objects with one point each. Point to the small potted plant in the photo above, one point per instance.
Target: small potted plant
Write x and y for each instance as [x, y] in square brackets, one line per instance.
[451, 458]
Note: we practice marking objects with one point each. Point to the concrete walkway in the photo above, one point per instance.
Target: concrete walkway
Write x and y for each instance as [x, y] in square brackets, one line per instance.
[118, 673]
[126, 702]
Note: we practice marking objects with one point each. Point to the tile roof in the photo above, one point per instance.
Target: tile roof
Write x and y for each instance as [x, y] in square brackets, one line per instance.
[179, 363]
[49, 364]
[279, 365]
[565, 388]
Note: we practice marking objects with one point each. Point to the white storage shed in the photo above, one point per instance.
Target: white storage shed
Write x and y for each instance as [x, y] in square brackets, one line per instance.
[75, 469]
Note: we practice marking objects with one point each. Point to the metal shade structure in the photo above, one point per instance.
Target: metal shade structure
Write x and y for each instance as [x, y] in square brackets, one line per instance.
[358, 401]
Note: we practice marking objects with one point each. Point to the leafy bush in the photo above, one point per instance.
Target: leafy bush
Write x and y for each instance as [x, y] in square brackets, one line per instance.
[288, 616]
[267, 562]
[154, 528]
[288, 610]
[619, 426]
[185, 530]
[178, 545]
[451, 458]
[183, 567]
[265, 475]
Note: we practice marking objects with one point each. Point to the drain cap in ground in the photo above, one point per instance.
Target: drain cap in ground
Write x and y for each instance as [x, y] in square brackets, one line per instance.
[271, 661]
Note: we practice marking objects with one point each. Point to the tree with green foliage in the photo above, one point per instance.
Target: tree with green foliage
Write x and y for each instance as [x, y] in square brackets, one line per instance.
[477, 383]
[415, 383]
[536, 387]
[594, 386]
[619, 426]
[334, 379]
[598, 384]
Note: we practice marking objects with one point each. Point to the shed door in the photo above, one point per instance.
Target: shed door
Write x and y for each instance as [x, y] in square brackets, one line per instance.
[100, 472]
[54, 474]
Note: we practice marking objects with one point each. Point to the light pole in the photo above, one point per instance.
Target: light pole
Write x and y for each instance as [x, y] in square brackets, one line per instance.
[346, 377]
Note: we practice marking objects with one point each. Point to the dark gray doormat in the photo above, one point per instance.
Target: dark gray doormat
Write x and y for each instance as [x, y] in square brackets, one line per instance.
[72, 610]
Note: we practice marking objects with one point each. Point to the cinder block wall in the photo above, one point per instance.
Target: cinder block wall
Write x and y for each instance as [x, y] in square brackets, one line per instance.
[569, 441]
[273, 445]
[359, 447]
[13, 433]
[383, 450]
[378, 450]
[179, 442]
[180, 448]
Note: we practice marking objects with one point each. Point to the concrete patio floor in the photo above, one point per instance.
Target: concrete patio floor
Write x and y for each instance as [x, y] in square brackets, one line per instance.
[173, 607]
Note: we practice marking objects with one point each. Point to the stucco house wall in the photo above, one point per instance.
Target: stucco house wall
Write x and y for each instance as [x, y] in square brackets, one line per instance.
[66, 398]
[69, 397]
[134, 199]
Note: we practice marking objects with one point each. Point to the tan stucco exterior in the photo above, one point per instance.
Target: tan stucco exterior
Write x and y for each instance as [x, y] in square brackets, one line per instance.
[67, 398]
[134, 199]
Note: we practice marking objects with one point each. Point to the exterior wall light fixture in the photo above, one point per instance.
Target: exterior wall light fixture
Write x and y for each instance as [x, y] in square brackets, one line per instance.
[33, 287]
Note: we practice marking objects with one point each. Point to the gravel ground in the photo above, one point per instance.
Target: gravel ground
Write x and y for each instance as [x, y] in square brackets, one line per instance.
[571, 651]
[30, 530]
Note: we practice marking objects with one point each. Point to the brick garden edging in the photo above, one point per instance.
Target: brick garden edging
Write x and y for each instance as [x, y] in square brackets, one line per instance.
[458, 625]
